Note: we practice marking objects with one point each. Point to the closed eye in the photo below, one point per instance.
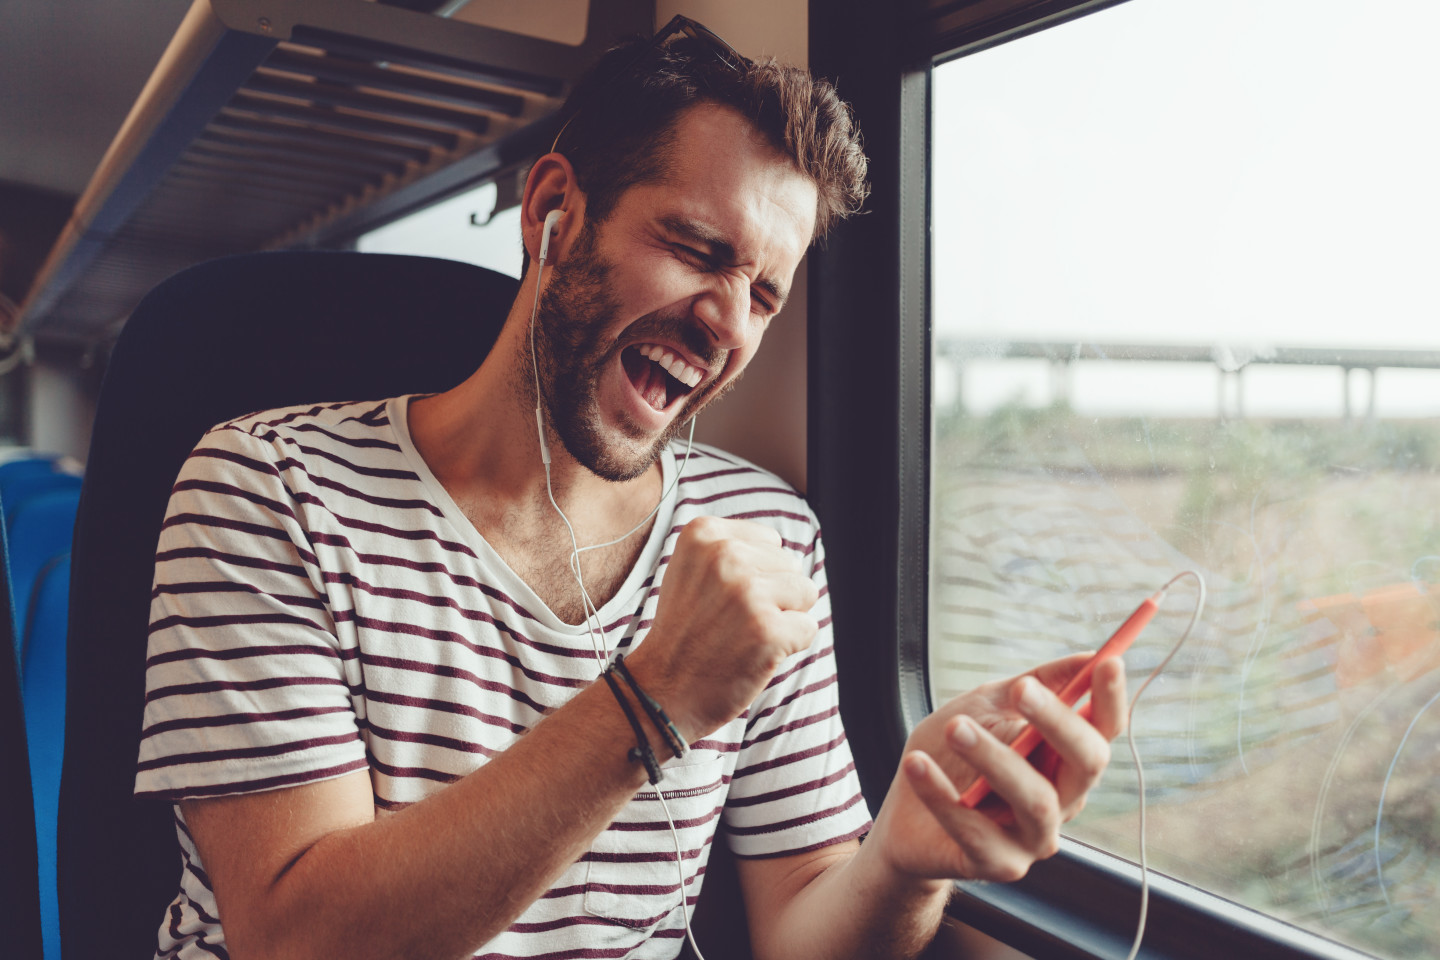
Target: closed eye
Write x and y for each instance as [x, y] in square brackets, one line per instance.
[709, 264]
[695, 256]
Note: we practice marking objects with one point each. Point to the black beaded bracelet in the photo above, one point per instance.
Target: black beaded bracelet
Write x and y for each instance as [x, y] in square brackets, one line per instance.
[641, 751]
[657, 714]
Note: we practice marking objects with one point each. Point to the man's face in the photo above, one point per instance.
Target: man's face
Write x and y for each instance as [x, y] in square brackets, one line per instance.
[657, 312]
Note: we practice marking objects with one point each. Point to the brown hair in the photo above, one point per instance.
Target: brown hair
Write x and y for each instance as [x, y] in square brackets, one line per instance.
[620, 121]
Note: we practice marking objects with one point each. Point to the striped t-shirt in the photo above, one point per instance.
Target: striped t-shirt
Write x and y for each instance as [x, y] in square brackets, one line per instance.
[322, 606]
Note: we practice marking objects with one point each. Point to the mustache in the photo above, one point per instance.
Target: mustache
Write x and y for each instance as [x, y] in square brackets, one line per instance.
[683, 330]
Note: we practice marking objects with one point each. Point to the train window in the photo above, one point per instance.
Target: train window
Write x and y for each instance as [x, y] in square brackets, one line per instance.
[1184, 309]
[464, 227]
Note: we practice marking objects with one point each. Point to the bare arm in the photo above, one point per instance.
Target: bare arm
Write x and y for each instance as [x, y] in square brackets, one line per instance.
[832, 904]
[885, 898]
[310, 872]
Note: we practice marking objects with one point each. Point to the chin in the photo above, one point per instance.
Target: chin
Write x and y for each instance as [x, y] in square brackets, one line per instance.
[622, 456]
[622, 468]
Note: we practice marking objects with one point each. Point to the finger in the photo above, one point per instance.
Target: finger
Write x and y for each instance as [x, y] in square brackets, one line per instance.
[984, 851]
[767, 558]
[721, 528]
[755, 532]
[1084, 752]
[1107, 698]
[742, 573]
[1031, 798]
[788, 591]
[736, 559]
[795, 631]
[1057, 673]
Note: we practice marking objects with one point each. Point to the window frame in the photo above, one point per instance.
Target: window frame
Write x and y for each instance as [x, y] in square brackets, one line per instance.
[868, 452]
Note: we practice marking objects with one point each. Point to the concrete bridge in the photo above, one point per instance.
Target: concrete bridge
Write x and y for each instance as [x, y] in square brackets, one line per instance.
[1230, 359]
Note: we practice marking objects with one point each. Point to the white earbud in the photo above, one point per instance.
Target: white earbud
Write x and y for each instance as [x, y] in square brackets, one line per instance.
[551, 218]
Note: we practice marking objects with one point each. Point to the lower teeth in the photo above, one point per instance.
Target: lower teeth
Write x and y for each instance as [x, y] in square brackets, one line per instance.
[656, 393]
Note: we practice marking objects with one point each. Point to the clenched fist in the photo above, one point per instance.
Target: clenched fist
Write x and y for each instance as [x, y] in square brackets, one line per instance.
[733, 605]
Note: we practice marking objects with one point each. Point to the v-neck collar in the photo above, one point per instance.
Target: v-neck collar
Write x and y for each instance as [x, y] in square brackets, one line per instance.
[622, 604]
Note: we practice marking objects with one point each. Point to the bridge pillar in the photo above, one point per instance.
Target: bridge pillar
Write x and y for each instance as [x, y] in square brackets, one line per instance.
[1374, 379]
[1060, 381]
[1237, 377]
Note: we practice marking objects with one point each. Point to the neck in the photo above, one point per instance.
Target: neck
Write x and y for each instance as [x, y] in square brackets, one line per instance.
[480, 442]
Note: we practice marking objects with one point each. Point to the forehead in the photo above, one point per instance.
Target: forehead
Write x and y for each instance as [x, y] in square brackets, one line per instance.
[724, 174]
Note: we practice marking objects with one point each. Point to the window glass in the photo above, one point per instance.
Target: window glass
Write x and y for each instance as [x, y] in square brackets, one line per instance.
[445, 230]
[1186, 317]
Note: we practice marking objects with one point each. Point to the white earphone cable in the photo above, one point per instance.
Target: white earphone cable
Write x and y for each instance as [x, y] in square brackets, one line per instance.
[1135, 751]
[594, 627]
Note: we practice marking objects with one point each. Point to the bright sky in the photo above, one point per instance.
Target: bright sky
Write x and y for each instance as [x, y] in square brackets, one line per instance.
[1247, 172]
[445, 231]
[1199, 171]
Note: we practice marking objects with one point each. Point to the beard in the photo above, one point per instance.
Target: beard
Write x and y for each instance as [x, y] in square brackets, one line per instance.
[576, 312]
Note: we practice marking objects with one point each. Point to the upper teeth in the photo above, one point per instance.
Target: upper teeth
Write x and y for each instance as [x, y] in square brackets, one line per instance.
[672, 363]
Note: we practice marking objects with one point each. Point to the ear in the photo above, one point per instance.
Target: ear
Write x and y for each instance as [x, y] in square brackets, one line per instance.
[551, 186]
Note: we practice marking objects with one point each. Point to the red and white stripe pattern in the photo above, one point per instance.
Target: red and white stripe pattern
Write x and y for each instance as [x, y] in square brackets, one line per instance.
[321, 606]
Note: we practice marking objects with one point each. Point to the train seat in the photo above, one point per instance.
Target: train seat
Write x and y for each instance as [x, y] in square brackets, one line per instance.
[40, 521]
[20, 489]
[19, 873]
[214, 342]
[24, 464]
[39, 528]
[43, 686]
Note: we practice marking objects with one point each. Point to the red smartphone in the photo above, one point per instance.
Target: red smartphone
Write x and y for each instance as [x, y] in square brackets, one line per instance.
[1028, 742]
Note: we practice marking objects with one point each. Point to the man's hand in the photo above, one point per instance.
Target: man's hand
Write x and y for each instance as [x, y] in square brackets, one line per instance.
[924, 833]
[734, 604]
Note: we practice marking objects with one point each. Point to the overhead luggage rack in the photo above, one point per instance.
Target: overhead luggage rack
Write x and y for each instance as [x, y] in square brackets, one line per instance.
[284, 123]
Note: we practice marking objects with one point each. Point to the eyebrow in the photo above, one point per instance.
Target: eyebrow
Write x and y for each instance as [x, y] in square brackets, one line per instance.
[700, 232]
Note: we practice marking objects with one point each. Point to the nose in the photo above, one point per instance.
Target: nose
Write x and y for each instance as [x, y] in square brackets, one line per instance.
[725, 311]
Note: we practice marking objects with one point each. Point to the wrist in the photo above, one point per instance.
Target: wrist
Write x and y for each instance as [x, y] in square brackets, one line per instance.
[902, 886]
[897, 869]
[642, 752]
[660, 721]
[654, 681]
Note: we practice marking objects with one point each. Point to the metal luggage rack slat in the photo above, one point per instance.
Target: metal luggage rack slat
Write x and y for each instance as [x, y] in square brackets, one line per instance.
[282, 123]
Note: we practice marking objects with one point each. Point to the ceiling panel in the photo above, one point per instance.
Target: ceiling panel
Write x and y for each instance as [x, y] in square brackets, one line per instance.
[273, 123]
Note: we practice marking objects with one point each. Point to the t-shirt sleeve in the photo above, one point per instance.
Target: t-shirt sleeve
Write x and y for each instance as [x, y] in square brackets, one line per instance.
[247, 686]
[794, 788]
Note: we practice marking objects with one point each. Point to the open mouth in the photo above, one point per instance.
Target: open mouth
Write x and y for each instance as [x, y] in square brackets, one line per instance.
[659, 374]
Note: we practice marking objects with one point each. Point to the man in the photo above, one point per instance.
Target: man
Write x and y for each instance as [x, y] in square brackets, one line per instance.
[372, 676]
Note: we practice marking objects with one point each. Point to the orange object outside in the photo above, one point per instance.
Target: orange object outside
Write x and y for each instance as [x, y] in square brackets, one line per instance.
[1394, 627]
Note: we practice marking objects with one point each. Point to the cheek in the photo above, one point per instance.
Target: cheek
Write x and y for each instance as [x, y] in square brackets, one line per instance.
[655, 283]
